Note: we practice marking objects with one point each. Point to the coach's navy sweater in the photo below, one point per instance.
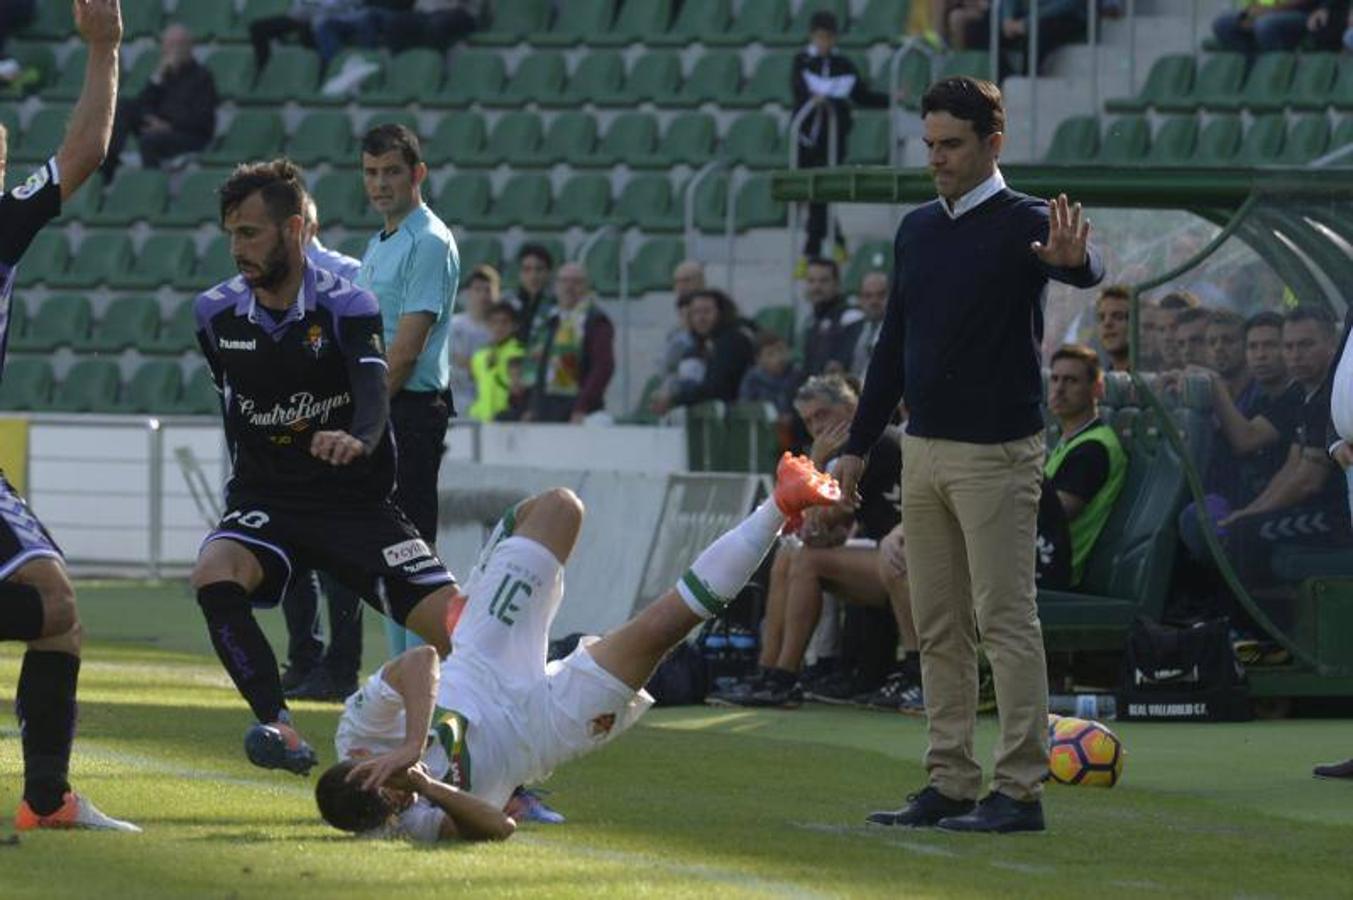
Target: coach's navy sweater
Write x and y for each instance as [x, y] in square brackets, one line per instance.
[962, 336]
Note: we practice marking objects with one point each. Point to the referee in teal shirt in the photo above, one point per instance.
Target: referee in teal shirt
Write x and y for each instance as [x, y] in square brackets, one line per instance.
[413, 268]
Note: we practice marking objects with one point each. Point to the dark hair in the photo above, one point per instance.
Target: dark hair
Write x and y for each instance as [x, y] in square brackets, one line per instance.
[1114, 292]
[1080, 353]
[1179, 300]
[392, 136]
[683, 299]
[539, 251]
[1226, 317]
[1193, 314]
[503, 308]
[823, 20]
[766, 339]
[1309, 312]
[970, 99]
[345, 805]
[279, 181]
[826, 262]
[728, 310]
[485, 272]
[1266, 319]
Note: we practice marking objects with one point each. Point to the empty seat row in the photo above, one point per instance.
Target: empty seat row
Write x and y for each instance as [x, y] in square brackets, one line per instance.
[95, 385]
[1227, 82]
[1222, 140]
[109, 258]
[67, 320]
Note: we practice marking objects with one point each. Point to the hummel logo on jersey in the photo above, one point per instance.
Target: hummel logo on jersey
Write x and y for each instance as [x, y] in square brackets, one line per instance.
[228, 344]
[395, 554]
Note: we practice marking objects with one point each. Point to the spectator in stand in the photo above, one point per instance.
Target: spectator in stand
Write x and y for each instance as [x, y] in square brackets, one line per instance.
[174, 114]
[1331, 25]
[823, 78]
[1060, 22]
[1190, 336]
[14, 14]
[470, 331]
[572, 356]
[1156, 324]
[724, 349]
[873, 301]
[687, 278]
[959, 24]
[774, 379]
[1265, 25]
[1112, 312]
[399, 25]
[833, 328]
[298, 21]
[1172, 305]
[491, 364]
[532, 297]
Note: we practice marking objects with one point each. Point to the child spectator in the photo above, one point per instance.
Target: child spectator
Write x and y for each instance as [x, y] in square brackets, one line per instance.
[492, 363]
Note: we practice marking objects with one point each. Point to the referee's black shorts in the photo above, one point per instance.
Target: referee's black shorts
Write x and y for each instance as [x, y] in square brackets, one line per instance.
[419, 420]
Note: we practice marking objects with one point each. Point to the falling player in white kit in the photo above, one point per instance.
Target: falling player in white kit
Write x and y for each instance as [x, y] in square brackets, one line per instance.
[434, 750]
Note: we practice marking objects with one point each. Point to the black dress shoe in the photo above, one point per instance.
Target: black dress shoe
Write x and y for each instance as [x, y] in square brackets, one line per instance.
[923, 810]
[998, 814]
[1335, 770]
[323, 686]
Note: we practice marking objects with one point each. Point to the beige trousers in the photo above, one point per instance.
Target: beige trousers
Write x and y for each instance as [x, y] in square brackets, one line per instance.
[971, 514]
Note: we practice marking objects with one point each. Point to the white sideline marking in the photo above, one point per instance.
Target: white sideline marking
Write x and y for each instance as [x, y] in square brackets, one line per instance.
[881, 834]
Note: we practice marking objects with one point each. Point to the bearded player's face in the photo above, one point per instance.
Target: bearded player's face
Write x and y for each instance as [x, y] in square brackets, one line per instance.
[960, 160]
[259, 244]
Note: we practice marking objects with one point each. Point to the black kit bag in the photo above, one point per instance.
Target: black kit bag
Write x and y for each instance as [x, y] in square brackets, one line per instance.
[1189, 674]
[682, 679]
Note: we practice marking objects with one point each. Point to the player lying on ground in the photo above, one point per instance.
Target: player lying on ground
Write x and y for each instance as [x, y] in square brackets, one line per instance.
[297, 355]
[37, 602]
[463, 733]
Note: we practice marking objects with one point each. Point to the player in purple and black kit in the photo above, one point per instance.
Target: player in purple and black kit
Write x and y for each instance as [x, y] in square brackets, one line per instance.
[297, 355]
[37, 602]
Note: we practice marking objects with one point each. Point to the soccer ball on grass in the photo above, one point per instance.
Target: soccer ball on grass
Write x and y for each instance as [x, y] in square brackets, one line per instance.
[1083, 752]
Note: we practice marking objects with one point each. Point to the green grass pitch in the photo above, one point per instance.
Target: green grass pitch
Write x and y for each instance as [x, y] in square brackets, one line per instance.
[693, 802]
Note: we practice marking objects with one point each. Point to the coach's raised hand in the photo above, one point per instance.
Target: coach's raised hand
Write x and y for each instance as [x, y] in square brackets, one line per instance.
[1068, 235]
[337, 448]
[99, 22]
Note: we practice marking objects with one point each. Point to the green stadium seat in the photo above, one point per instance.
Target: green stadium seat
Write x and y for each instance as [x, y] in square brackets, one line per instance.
[178, 333]
[322, 136]
[46, 257]
[375, 61]
[90, 386]
[1174, 142]
[214, 264]
[643, 199]
[464, 197]
[754, 140]
[704, 436]
[753, 442]
[690, 139]
[51, 21]
[1219, 79]
[458, 135]
[1127, 140]
[1263, 141]
[768, 83]
[1343, 134]
[776, 320]
[881, 22]
[870, 140]
[512, 21]
[654, 78]
[874, 256]
[253, 9]
[716, 77]
[197, 200]
[154, 387]
[694, 19]
[474, 76]
[136, 195]
[394, 117]
[291, 74]
[479, 250]
[756, 206]
[232, 68]
[100, 257]
[1266, 88]
[18, 319]
[651, 268]
[165, 259]
[797, 31]
[132, 81]
[199, 397]
[523, 198]
[599, 74]
[541, 74]
[571, 135]
[577, 22]
[603, 267]
[913, 79]
[252, 134]
[513, 136]
[1218, 142]
[40, 140]
[42, 60]
[754, 23]
[1310, 89]
[63, 83]
[62, 320]
[636, 21]
[207, 21]
[27, 385]
[973, 63]
[711, 203]
[124, 324]
[1076, 141]
[630, 135]
[341, 199]
[84, 205]
[1341, 95]
[9, 117]
[584, 201]
[408, 77]
[1170, 79]
[142, 19]
[1308, 137]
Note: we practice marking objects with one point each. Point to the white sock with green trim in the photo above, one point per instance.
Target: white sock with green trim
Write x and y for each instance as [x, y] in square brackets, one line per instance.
[722, 570]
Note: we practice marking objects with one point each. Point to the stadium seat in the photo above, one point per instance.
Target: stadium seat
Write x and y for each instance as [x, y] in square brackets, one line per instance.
[752, 442]
[768, 83]
[716, 77]
[1218, 142]
[1127, 140]
[630, 135]
[880, 22]
[635, 22]
[46, 257]
[754, 140]
[584, 201]
[62, 82]
[512, 21]
[125, 323]
[757, 207]
[375, 61]
[464, 197]
[165, 259]
[479, 250]
[571, 135]
[197, 200]
[603, 267]
[59, 321]
[155, 386]
[870, 140]
[39, 57]
[754, 23]
[84, 205]
[27, 385]
[214, 265]
[9, 117]
[207, 21]
[322, 136]
[644, 200]
[136, 195]
[458, 135]
[523, 198]
[1341, 95]
[654, 78]
[40, 140]
[776, 320]
[252, 134]
[1311, 84]
[704, 436]
[797, 31]
[576, 22]
[341, 199]
[1308, 137]
[291, 74]
[474, 76]
[1174, 142]
[199, 397]
[599, 74]
[1263, 141]
[711, 203]
[90, 386]
[51, 21]
[690, 139]
[18, 318]
[178, 333]
[513, 136]
[973, 63]
[142, 20]
[913, 79]
[408, 77]
[232, 68]
[1219, 79]
[1170, 79]
[651, 268]
[132, 81]
[540, 74]
[875, 256]
[1343, 134]
[1266, 87]
[394, 117]
[694, 20]
[100, 256]
[1076, 141]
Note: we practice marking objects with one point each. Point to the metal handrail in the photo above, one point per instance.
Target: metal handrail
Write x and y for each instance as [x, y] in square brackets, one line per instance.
[622, 262]
[795, 124]
[1334, 156]
[693, 236]
[1031, 66]
[895, 87]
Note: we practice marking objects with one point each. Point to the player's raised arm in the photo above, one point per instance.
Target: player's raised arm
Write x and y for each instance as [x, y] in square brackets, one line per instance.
[467, 817]
[415, 675]
[368, 373]
[91, 122]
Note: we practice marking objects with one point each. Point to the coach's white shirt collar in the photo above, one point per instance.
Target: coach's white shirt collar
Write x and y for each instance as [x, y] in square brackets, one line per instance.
[977, 196]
